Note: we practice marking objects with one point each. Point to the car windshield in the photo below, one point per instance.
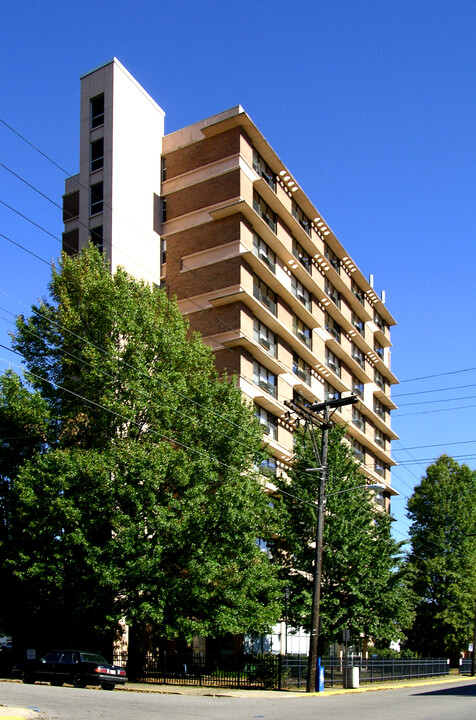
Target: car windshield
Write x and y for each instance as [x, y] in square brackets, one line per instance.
[93, 658]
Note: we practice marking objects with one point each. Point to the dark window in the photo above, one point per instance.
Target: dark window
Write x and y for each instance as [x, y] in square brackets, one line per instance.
[380, 409]
[96, 198]
[70, 206]
[380, 322]
[358, 324]
[302, 331]
[333, 362]
[97, 154]
[264, 252]
[264, 211]
[302, 219]
[71, 242]
[378, 349]
[163, 167]
[301, 255]
[359, 451]
[358, 355]
[358, 387]
[264, 294]
[264, 170]
[380, 467]
[264, 378]
[332, 258]
[332, 327]
[380, 438]
[301, 369]
[163, 251]
[358, 419]
[357, 292]
[300, 292]
[97, 236]
[380, 380]
[268, 421]
[331, 393]
[97, 111]
[264, 336]
[164, 210]
[332, 293]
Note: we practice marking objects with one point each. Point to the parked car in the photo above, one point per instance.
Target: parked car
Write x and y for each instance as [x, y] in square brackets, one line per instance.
[6, 660]
[77, 667]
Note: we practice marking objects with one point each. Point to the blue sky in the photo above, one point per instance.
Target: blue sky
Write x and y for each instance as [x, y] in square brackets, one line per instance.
[370, 104]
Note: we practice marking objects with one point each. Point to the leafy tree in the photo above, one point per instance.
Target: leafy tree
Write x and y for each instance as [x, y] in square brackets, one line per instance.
[23, 431]
[443, 557]
[145, 503]
[363, 585]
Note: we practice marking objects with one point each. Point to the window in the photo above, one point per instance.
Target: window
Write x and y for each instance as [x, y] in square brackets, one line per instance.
[264, 337]
[357, 292]
[97, 111]
[301, 369]
[268, 421]
[300, 292]
[268, 468]
[378, 349]
[358, 419]
[380, 467]
[264, 294]
[331, 393]
[302, 331]
[96, 236]
[96, 198]
[381, 439]
[380, 409]
[163, 168]
[380, 380]
[332, 327]
[358, 387]
[264, 252]
[359, 451]
[164, 210]
[333, 362]
[163, 251]
[332, 258]
[97, 154]
[71, 242]
[358, 324]
[264, 170]
[332, 293]
[301, 255]
[264, 378]
[302, 219]
[358, 355]
[380, 322]
[264, 211]
[70, 205]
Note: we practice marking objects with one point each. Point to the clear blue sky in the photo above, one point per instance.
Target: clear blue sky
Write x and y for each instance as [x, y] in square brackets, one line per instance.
[371, 105]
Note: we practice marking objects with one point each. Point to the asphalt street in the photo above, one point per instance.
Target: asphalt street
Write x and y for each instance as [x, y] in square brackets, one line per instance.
[448, 701]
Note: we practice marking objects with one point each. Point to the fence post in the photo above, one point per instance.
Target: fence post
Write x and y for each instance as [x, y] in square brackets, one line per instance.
[280, 669]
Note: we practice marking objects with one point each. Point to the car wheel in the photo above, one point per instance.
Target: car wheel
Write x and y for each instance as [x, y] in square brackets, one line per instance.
[27, 677]
[107, 686]
[79, 681]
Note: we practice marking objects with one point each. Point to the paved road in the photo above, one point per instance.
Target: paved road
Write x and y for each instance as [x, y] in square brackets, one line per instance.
[452, 701]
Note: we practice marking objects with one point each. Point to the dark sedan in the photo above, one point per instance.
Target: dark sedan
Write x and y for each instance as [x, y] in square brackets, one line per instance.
[77, 667]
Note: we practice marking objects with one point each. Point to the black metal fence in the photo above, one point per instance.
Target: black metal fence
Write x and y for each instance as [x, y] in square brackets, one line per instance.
[465, 666]
[262, 671]
[294, 669]
[267, 671]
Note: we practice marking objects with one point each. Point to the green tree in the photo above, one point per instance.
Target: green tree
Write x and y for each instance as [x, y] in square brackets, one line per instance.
[145, 503]
[443, 557]
[363, 582]
[23, 433]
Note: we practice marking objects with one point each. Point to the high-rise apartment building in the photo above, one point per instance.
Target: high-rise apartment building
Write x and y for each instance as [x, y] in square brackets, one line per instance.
[211, 212]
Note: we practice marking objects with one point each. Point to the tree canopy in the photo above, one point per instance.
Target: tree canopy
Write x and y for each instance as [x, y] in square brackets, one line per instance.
[443, 557]
[363, 584]
[138, 494]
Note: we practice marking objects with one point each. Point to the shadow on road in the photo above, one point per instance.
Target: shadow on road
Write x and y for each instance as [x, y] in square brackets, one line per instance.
[461, 690]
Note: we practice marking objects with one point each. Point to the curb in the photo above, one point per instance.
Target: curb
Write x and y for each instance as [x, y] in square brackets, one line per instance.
[15, 713]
